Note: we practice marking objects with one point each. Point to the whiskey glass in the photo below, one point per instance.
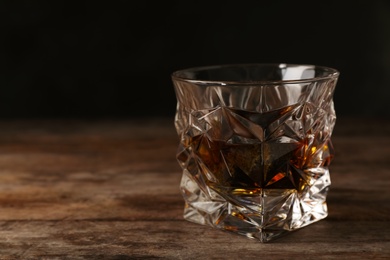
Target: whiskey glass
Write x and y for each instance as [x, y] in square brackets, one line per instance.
[255, 145]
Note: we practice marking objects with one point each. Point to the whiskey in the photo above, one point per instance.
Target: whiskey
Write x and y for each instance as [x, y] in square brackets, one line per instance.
[277, 160]
[249, 166]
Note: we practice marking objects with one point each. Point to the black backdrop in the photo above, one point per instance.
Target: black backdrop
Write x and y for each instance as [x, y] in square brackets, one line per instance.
[93, 59]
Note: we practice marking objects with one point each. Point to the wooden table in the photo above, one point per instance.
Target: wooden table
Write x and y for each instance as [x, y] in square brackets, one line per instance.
[110, 190]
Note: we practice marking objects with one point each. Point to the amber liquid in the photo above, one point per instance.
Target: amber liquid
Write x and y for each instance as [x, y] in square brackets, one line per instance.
[249, 162]
[250, 166]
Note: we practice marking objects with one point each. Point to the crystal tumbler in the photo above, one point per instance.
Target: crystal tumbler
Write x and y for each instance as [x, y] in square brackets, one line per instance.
[255, 145]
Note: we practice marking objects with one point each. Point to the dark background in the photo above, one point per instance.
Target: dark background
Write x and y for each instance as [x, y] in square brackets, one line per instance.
[99, 59]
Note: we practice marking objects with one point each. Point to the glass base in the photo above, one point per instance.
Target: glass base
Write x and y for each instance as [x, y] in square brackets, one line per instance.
[264, 214]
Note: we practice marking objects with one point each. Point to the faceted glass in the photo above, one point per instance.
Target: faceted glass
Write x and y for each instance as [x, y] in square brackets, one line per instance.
[255, 145]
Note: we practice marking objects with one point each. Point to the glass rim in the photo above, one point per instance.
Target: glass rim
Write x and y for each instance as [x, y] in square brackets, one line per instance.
[332, 74]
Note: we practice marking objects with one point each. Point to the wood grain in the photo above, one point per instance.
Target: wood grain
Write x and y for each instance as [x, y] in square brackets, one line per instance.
[110, 190]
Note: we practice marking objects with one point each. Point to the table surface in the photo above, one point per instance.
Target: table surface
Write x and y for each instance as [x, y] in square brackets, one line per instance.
[109, 189]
